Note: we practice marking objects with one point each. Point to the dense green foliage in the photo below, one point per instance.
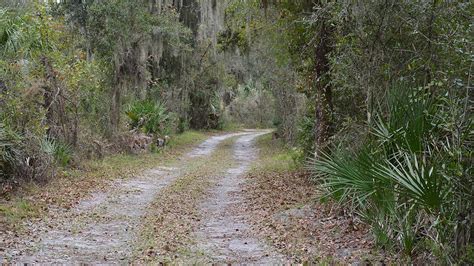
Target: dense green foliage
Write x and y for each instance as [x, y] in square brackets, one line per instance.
[81, 78]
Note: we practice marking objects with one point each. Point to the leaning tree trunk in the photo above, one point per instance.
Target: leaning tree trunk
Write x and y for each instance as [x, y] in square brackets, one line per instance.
[323, 88]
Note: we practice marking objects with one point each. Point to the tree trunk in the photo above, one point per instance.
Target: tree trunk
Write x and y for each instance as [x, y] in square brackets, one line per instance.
[48, 96]
[115, 96]
[323, 89]
[60, 125]
[115, 108]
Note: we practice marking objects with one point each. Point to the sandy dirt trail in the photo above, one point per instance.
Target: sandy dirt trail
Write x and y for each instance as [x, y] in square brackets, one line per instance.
[224, 236]
[102, 228]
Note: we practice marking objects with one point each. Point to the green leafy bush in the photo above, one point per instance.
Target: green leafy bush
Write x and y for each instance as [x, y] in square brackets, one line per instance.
[306, 135]
[6, 144]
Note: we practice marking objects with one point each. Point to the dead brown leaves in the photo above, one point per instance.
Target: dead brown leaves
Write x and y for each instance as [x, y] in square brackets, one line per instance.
[171, 219]
[284, 209]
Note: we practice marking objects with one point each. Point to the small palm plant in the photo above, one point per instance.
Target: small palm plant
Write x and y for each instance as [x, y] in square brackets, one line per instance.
[61, 152]
[151, 117]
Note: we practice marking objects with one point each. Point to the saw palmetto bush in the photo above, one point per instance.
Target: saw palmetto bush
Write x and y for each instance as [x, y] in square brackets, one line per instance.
[406, 180]
[60, 152]
[149, 116]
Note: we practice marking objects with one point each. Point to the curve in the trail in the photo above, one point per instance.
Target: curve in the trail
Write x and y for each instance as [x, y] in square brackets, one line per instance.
[101, 229]
[208, 146]
[224, 235]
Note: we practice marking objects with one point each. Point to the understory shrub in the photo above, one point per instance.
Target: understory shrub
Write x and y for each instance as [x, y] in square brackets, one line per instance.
[24, 158]
[6, 154]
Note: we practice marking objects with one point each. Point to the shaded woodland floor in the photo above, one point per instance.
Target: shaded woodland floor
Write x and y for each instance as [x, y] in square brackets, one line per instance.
[234, 198]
